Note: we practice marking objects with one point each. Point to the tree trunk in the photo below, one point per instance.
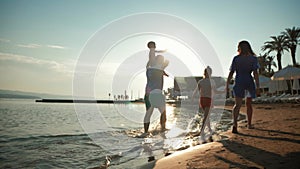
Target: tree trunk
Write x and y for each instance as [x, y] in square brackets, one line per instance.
[279, 60]
[293, 54]
[269, 67]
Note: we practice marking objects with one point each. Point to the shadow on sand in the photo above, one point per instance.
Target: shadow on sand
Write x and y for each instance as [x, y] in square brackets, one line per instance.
[259, 156]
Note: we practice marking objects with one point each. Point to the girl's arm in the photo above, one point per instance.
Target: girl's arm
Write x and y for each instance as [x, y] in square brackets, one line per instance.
[194, 92]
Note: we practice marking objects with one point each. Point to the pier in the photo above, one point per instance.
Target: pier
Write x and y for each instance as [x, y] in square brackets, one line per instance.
[88, 101]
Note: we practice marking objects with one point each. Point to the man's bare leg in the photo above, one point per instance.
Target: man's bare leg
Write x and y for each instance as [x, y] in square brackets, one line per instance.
[147, 119]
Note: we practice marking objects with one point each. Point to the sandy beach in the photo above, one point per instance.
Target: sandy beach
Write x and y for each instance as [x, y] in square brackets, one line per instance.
[273, 143]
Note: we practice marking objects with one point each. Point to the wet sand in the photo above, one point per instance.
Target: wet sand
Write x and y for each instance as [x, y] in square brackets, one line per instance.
[273, 143]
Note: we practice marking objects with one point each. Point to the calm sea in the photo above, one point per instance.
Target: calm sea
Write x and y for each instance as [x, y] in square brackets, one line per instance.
[49, 135]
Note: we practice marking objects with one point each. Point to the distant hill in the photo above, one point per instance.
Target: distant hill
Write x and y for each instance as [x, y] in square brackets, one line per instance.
[12, 96]
[29, 95]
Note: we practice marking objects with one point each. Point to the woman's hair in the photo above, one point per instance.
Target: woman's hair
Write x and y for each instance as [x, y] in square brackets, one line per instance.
[245, 49]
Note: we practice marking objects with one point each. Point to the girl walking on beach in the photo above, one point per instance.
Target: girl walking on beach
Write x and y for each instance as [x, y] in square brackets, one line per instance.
[244, 64]
[206, 88]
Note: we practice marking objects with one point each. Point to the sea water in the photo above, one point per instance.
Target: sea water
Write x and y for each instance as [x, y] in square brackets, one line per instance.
[62, 135]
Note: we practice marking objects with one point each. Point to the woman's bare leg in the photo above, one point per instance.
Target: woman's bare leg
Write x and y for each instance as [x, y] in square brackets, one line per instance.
[249, 111]
[235, 112]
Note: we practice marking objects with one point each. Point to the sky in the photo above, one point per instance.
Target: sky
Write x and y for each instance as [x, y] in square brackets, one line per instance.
[41, 42]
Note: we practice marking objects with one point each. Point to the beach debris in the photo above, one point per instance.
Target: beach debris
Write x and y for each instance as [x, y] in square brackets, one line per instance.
[106, 163]
[151, 158]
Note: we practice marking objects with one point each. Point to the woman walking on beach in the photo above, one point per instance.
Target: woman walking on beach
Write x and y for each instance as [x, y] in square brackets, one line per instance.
[244, 64]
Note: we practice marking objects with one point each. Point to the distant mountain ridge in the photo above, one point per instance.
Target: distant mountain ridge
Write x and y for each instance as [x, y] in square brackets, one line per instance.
[29, 95]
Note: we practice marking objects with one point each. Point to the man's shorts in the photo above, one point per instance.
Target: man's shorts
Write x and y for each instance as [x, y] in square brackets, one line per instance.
[156, 99]
[147, 101]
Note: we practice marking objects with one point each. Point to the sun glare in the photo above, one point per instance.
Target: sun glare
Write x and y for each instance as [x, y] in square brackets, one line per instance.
[128, 59]
[177, 50]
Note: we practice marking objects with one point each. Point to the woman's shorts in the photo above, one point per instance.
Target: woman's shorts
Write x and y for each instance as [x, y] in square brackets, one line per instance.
[244, 92]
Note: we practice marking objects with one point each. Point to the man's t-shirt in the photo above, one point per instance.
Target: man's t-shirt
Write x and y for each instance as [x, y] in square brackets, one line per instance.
[155, 79]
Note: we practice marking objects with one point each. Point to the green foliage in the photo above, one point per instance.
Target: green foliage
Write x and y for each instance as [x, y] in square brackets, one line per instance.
[286, 41]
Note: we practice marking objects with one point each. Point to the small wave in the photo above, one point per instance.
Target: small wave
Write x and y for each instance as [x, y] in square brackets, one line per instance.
[4, 140]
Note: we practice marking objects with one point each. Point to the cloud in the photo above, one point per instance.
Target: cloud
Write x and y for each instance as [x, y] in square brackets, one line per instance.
[56, 47]
[4, 40]
[50, 64]
[32, 45]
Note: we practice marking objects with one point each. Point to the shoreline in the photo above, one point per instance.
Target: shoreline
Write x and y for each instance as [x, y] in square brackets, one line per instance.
[273, 143]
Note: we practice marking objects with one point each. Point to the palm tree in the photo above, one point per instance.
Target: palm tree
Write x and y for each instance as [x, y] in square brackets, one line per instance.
[277, 44]
[270, 63]
[292, 36]
[262, 60]
[266, 62]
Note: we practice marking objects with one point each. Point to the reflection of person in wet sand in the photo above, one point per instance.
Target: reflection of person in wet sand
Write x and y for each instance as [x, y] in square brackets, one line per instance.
[154, 97]
[207, 88]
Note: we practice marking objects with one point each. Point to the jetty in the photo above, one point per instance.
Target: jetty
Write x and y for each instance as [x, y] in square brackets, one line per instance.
[99, 101]
[89, 101]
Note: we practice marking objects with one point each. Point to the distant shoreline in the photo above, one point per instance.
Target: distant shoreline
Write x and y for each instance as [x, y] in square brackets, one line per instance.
[12, 96]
